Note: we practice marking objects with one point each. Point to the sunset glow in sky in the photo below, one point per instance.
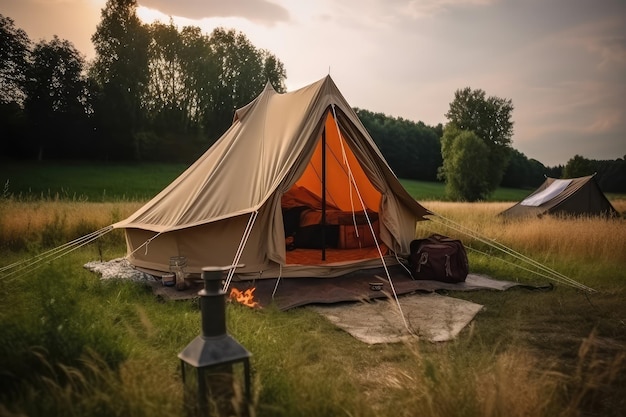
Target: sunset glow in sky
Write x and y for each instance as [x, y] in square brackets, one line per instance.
[561, 62]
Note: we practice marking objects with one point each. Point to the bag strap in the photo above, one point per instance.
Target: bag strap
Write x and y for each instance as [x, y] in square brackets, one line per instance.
[423, 260]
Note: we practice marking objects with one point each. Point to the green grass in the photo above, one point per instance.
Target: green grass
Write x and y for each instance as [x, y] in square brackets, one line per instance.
[100, 182]
[96, 182]
[74, 345]
[424, 190]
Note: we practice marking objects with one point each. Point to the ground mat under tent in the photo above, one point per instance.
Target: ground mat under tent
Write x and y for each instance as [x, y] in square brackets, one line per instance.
[296, 292]
[355, 286]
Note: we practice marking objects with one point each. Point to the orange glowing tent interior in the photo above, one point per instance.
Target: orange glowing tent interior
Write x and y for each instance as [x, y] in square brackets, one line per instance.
[340, 192]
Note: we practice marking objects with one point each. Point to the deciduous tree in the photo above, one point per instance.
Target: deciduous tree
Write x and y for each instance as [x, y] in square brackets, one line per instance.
[412, 149]
[121, 71]
[465, 164]
[243, 71]
[490, 120]
[578, 166]
[57, 101]
[14, 50]
[522, 172]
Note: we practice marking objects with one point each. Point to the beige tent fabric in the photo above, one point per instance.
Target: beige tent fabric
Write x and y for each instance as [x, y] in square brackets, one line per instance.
[273, 143]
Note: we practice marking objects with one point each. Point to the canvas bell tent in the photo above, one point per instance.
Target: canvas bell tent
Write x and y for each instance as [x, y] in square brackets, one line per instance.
[575, 196]
[295, 187]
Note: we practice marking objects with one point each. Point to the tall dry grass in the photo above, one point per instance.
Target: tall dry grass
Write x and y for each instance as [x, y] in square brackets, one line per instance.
[566, 238]
[587, 238]
[48, 223]
[513, 383]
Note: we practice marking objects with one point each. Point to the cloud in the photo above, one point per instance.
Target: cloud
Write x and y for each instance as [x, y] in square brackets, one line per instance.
[606, 121]
[53, 3]
[258, 11]
[427, 8]
[605, 40]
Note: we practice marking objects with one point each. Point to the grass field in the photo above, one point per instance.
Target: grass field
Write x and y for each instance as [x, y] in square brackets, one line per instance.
[95, 182]
[74, 345]
[115, 182]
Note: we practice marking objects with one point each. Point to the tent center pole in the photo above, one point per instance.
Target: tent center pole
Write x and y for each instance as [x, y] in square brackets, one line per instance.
[324, 194]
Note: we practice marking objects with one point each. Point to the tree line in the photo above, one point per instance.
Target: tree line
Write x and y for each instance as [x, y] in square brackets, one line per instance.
[159, 93]
[152, 92]
[413, 150]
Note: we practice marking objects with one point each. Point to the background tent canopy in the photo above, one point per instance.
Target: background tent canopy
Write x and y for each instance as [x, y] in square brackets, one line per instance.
[546, 195]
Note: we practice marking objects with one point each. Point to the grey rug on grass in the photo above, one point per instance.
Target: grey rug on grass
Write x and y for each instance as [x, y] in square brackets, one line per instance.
[432, 317]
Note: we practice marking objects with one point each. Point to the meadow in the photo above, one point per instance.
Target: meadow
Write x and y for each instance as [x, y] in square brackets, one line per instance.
[75, 345]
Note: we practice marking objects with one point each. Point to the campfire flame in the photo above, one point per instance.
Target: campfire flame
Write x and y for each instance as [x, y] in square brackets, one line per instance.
[244, 297]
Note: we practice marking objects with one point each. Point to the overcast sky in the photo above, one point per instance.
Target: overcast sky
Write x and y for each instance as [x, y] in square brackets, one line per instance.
[561, 62]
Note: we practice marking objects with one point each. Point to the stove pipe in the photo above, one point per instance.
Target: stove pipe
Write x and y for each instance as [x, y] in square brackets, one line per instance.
[214, 347]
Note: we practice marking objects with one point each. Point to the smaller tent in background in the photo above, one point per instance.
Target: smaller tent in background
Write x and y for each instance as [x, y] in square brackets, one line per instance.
[573, 196]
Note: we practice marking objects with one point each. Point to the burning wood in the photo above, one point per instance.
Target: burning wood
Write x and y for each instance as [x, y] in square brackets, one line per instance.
[244, 297]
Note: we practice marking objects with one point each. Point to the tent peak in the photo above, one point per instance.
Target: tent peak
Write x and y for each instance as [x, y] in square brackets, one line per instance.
[269, 86]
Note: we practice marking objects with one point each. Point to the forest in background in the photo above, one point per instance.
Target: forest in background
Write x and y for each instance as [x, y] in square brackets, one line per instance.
[157, 93]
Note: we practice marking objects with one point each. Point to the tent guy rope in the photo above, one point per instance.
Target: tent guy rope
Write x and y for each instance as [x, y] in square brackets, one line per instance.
[21, 268]
[240, 248]
[367, 217]
[546, 271]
